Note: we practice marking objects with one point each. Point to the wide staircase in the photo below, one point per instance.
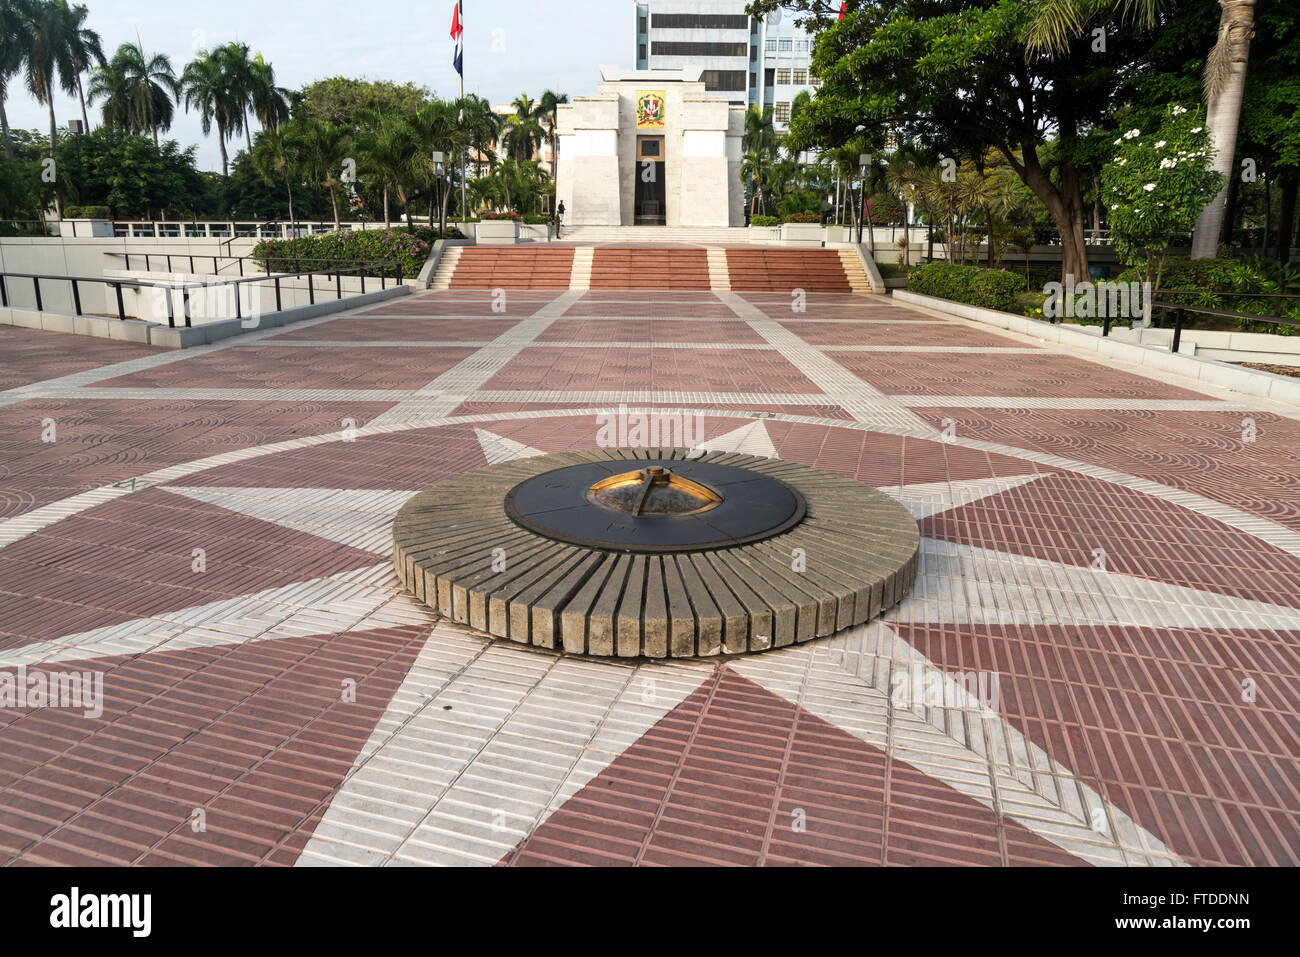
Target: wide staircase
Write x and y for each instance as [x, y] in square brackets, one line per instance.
[509, 267]
[776, 269]
[752, 269]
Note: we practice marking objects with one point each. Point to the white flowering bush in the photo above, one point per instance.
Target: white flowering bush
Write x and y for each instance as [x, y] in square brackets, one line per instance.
[1156, 186]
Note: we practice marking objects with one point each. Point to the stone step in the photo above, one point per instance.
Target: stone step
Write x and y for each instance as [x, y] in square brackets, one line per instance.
[657, 234]
[446, 267]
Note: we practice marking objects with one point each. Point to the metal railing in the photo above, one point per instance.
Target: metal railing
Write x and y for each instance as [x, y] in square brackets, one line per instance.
[387, 268]
[1180, 309]
[184, 288]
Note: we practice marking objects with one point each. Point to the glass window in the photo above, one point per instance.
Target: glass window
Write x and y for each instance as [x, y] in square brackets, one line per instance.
[814, 79]
[753, 54]
[782, 113]
[801, 77]
[771, 45]
[782, 76]
[801, 46]
[640, 51]
[784, 45]
[641, 24]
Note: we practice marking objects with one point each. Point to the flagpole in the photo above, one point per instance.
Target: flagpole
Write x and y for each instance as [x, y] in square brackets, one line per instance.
[464, 212]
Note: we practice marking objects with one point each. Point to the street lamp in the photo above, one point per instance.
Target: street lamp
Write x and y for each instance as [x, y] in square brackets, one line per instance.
[864, 166]
[437, 167]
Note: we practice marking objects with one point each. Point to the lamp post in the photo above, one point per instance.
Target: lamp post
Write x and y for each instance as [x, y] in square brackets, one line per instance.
[76, 127]
[864, 167]
[437, 167]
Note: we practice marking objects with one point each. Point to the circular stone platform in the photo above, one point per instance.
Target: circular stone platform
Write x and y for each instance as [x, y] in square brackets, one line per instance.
[655, 552]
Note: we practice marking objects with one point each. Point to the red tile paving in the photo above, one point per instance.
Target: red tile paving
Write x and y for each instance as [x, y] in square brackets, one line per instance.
[738, 776]
[1154, 720]
[30, 355]
[251, 727]
[1201, 452]
[404, 328]
[256, 736]
[268, 367]
[911, 373]
[902, 334]
[660, 367]
[645, 330]
[1065, 518]
[104, 441]
[133, 558]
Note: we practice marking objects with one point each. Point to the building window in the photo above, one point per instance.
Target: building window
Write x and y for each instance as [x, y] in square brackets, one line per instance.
[814, 79]
[801, 77]
[724, 79]
[753, 54]
[640, 51]
[641, 24]
[782, 77]
[801, 46]
[677, 48]
[769, 77]
[782, 113]
[771, 45]
[753, 80]
[784, 45]
[699, 21]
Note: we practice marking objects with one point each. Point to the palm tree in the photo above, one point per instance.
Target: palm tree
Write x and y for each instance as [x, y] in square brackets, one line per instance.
[238, 69]
[270, 103]
[437, 127]
[324, 147]
[1057, 22]
[50, 57]
[389, 149]
[523, 129]
[14, 46]
[87, 54]
[139, 90]
[209, 89]
[482, 126]
[549, 105]
[276, 157]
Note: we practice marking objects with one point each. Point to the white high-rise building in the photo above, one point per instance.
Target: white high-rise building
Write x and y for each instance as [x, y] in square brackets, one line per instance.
[741, 59]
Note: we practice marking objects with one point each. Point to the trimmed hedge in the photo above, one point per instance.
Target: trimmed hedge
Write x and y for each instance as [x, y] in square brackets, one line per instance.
[802, 218]
[989, 288]
[291, 255]
[764, 221]
[511, 214]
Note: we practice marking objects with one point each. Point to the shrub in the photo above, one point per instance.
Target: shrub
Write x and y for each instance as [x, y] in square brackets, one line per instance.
[763, 221]
[1213, 281]
[86, 212]
[309, 253]
[989, 288]
[537, 219]
[508, 214]
[802, 218]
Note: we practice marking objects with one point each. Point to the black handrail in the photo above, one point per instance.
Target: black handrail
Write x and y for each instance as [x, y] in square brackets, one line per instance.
[184, 287]
[1181, 308]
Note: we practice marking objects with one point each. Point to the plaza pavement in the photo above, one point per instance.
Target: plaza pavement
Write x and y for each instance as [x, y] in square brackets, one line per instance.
[1114, 553]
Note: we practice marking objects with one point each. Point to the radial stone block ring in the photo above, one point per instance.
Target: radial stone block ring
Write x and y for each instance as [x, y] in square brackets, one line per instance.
[655, 552]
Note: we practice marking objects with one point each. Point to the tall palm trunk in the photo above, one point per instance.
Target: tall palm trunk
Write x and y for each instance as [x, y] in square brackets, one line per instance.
[388, 221]
[1236, 27]
[248, 136]
[334, 201]
[81, 97]
[4, 126]
[225, 160]
[289, 190]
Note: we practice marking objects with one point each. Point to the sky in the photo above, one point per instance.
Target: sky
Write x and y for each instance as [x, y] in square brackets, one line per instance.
[511, 46]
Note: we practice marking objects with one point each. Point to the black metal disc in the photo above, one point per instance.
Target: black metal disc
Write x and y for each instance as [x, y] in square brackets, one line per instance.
[753, 507]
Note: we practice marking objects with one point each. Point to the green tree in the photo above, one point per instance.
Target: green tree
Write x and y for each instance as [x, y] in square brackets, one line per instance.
[1157, 186]
[340, 100]
[523, 129]
[139, 90]
[958, 75]
[211, 90]
[277, 157]
[14, 46]
[549, 106]
[324, 149]
[51, 54]
[87, 54]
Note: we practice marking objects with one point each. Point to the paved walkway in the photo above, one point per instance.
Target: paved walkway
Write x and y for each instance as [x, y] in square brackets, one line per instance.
[1098, 664]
